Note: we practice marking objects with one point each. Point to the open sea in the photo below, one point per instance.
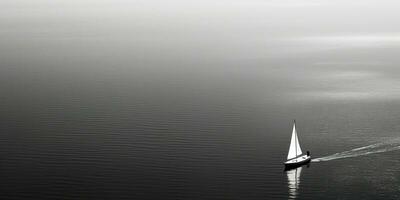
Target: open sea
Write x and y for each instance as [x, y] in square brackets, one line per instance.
[104, 138]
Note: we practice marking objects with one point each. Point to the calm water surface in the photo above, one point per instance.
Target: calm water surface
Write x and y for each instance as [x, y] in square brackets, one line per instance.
[74, 138]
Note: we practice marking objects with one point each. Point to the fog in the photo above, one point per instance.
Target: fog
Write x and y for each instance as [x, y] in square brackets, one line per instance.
[307, 50]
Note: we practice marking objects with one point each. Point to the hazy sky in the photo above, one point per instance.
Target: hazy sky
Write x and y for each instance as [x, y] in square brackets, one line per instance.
[305, 49]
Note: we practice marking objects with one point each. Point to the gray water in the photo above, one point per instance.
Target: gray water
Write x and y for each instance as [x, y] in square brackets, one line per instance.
[139, 100]
[111, 139]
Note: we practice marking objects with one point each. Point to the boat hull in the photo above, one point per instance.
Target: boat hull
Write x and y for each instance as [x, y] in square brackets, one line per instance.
[297, 162]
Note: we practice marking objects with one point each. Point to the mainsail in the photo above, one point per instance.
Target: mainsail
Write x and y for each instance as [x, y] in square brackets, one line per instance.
[294, 149]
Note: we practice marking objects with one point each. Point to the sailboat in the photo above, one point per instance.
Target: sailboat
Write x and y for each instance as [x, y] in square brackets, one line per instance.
[295, 156]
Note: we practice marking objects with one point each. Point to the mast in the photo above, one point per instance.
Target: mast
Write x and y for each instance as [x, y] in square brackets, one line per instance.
[294, 125]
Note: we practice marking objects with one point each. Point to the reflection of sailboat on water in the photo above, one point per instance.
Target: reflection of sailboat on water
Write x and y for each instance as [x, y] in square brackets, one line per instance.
[293, 181]
[295, 157]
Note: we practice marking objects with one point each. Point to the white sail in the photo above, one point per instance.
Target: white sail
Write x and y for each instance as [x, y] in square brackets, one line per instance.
[294, 149]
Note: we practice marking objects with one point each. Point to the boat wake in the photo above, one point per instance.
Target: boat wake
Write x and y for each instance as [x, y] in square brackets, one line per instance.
[391, 145]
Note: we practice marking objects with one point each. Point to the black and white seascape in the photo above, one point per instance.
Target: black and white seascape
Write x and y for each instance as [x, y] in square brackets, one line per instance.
[174, 99]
